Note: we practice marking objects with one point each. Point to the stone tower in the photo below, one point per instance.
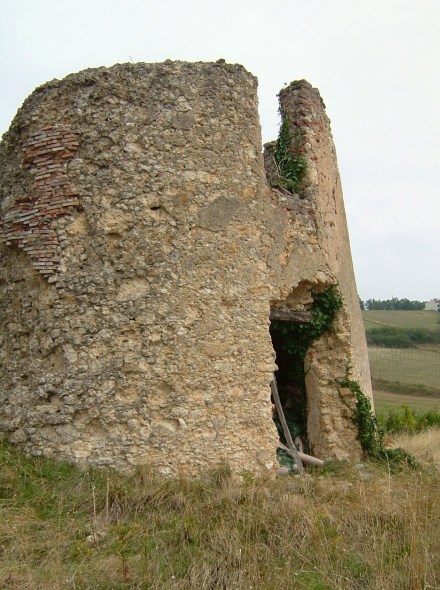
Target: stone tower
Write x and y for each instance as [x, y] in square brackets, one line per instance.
[141, 254]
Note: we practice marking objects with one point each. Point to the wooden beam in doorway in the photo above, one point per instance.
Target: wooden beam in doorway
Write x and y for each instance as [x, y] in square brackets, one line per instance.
[290, 315]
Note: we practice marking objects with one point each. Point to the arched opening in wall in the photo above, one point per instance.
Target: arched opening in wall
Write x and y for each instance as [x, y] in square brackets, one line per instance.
[290, 376]
[293, 334]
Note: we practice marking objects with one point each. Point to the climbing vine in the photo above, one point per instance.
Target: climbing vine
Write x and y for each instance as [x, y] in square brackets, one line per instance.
[290, 163]
[370, 433]
[296, 338]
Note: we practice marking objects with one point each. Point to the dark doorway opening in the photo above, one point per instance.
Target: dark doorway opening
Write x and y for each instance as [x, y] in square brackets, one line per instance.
[291, 386]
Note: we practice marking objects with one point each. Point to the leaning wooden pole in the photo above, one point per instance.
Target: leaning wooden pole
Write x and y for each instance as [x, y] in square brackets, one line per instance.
[303, 456]
[286, 430]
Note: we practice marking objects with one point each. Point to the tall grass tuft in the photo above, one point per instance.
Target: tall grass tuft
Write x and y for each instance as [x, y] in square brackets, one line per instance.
[424, 445]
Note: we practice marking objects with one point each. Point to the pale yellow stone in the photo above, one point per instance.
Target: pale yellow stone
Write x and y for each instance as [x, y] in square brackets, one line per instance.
[153, 346]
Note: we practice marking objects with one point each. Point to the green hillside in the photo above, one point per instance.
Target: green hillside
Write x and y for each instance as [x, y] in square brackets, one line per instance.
[401, 319]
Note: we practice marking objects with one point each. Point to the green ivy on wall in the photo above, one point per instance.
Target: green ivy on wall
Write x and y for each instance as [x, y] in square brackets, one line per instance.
[290, 163]
[370, 433]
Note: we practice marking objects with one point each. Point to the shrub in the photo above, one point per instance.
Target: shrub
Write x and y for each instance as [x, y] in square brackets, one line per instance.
[393, 337]
[408, 421]
[416, 389]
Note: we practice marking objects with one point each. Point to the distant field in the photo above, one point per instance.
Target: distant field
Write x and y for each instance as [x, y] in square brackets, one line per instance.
[408, 365]
[411, 367]
[384, 401]
[401, 319]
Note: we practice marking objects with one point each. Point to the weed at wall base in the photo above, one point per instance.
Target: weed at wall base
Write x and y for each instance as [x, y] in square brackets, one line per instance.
[370, 432]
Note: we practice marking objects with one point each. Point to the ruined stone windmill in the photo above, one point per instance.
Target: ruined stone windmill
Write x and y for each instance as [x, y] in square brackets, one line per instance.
[143, 254]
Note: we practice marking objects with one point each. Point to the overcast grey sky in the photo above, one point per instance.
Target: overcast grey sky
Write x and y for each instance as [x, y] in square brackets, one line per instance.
[376, 63]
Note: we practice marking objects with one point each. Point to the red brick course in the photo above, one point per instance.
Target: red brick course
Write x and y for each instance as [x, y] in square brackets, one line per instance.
[28, 223]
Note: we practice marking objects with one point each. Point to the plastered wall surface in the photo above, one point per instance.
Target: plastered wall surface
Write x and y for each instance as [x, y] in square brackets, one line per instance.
[141, 253]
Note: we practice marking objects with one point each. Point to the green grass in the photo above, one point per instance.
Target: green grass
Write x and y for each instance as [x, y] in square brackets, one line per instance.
[401, 319]
[342, 528]
[411, 389]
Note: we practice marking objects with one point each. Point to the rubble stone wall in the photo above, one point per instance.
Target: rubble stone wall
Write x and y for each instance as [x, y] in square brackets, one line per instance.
[141, 252]
[325, 254]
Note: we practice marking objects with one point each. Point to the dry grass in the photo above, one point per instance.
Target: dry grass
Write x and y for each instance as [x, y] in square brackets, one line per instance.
[346, 527]
[425, 446]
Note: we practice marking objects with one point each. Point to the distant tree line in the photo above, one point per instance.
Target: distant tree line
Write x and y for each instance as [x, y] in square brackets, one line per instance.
[391, 304]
